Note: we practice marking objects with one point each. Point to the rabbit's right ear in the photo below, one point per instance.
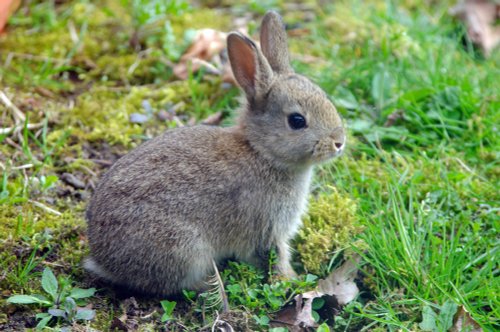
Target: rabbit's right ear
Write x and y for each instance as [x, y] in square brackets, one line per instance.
[273, 41]
[250, 68]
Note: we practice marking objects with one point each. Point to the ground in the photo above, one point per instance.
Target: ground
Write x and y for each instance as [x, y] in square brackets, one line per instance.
[415, 194]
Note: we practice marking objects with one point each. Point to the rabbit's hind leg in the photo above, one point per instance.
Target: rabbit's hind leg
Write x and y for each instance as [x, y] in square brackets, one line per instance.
[198, 273]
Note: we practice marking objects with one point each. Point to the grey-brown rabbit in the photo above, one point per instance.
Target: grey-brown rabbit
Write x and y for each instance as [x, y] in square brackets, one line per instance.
[164, 211]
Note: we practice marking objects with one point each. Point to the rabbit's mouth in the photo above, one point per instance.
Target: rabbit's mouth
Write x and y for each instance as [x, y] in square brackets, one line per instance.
[326, 150]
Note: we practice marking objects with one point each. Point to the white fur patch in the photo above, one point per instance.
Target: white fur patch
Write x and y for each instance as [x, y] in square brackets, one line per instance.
[91, 265]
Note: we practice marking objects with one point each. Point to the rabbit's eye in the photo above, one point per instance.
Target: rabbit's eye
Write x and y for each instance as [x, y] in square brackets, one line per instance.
[296, 121]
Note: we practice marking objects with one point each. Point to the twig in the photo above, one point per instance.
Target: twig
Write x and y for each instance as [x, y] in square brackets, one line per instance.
[16, 112]
[102, 162]
[23, 166]
[33, 57]
[148, 315]
[468, 169]
[45, 207]
[72, 32]
[53, 264]
[88, 170]
[18, 127]
[221, 325]
[13, 144]
[178, 121]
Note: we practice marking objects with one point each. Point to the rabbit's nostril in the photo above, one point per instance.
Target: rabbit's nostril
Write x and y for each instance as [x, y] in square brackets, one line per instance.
[339, 145]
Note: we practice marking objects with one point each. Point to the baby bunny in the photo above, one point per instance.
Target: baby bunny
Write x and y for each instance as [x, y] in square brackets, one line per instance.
[194, 195]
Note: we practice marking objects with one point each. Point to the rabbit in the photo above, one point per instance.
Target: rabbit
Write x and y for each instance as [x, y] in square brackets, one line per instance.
[166, 211]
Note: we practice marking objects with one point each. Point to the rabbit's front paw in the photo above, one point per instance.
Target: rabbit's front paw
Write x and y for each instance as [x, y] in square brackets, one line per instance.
[285, 270]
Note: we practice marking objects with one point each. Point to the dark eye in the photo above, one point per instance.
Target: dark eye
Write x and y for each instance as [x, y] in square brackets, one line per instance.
[296, 121]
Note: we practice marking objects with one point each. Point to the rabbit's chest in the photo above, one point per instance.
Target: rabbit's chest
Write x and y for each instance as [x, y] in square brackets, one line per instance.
[285, 218]
[275, 210]
[264, 214]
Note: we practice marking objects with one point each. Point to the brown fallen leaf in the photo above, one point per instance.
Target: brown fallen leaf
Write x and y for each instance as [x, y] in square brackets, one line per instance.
[296, 318]
[394, 117]
[336, 290]
[206, 51]
[213, 119]
[340, 283]
[463, 322]
[7, 8]
[479, 17]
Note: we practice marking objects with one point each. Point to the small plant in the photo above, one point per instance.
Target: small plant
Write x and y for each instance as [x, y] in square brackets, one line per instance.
[245, 286]
[63, 300]
[47, 182]
[151, 20]
[168, 307]
[441, 321]
[24, 270]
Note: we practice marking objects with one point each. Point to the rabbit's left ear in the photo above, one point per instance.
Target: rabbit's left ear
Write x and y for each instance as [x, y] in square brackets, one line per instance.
[250, 67]
[273, 42]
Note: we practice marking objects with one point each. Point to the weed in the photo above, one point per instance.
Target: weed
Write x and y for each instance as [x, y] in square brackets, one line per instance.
[168, 308]
[245, 286]
[24, 270]
[63, 301]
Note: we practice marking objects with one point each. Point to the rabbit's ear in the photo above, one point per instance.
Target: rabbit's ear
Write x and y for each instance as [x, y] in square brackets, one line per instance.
[250, 67]
[273, 42]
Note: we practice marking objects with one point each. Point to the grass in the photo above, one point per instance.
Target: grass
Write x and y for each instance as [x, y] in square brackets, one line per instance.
[418, 182]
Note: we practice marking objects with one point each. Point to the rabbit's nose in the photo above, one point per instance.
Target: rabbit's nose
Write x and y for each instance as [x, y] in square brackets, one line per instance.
[338, 137]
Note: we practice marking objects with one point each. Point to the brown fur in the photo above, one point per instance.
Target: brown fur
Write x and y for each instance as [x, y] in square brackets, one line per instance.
[167, 209]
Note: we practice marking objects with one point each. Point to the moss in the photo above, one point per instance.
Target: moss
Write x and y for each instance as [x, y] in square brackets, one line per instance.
[73, 42]
[347, 31]
[58, 239]
[53, 44]
[26, 219]
[330, 225]
[102, 114]
[86, 42]
[129, 68]
[200, 18]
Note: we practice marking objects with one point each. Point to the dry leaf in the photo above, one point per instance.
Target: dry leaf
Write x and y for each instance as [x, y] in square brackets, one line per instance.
[463, 322]
[7, 8]
[207, 51]
[479, 17]
[297, 318]
[394, 117]
[336, 290]
[222, 326]
[213, 119]
[340, 283]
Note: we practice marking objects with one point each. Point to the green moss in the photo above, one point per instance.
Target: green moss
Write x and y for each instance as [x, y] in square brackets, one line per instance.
[55, 238]
[330, 224]
[128, 68]
[26, 219]
[201, 18]
[103, 114]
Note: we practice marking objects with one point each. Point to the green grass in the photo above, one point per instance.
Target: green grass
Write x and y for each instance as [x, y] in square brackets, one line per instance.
[421, 170]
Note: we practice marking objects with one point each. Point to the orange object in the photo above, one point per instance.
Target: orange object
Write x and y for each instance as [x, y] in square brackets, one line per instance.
[7, 8]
